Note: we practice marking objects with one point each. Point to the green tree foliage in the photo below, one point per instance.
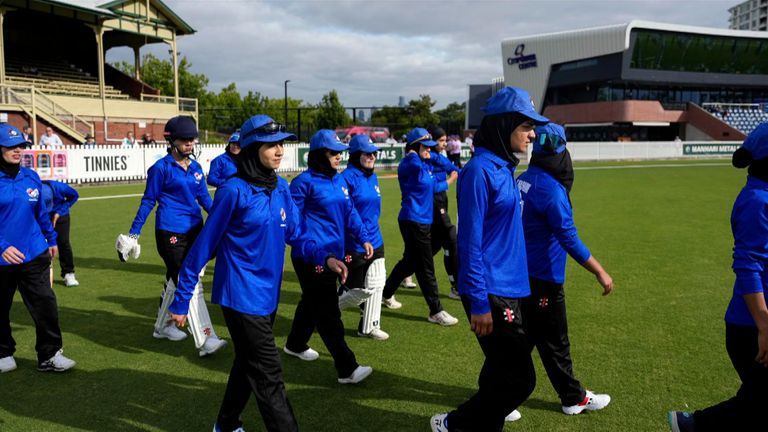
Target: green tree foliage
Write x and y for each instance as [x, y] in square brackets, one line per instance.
[158, 73]
[420, 111]
[452, 118]
[331, 113]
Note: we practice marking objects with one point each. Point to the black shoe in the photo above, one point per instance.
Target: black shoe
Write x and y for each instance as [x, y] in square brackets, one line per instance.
[680, 421]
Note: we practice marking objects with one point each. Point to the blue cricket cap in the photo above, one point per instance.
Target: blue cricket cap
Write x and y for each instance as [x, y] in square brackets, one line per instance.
[262, 129]
[11, 137]
[550, 138]
[326, 139]
[421, 136]
[234, 138]
[514, 100]
[180, 127]
[756, 142]
[362, 143]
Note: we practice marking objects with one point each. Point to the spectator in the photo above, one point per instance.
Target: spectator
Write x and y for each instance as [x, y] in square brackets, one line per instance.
[469, 141]
[147, 139]
[90, 141]
[454, 150]
[27, 134]
[129, 141]
[50, 139]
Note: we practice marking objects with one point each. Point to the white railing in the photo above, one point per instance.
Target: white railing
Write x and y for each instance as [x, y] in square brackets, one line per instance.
[33, 99]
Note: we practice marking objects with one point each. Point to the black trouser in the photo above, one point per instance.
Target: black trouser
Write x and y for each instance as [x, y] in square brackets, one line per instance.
[319, 307]
[66, 258]
[546, 327]
[444, 236]
[32, 279]
[173, 248]
[743, 412]
[455, 158]
[417, 258]
[357, 268]
[507, 377]
[256, 369]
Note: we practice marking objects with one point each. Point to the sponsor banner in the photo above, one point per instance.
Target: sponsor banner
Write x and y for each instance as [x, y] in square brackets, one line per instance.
[390, 155]
[709, 149]
[104, 164]
[50, 164]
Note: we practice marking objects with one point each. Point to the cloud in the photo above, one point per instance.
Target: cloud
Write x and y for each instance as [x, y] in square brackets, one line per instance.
[373, 51]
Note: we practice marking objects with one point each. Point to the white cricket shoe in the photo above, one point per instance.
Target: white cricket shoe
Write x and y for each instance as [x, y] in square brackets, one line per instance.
[591, 402]
[439, 422]
[359, 374]
[307, 355]
[375, 334]
[70, 281]
[408, 283]
[57, 363]
[211, 345]
[170, 332]
[443, 318]
[7, 364]
[391, 303]
[513, 416]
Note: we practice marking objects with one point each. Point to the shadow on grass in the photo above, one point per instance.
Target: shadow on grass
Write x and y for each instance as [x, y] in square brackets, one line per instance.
[112, 263]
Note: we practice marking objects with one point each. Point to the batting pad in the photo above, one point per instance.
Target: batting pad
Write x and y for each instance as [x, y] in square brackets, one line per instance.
[374, 282]
[200, 325]
[167, 298]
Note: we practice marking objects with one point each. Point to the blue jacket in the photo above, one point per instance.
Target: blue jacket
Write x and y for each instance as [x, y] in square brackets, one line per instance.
[325, 205]
[366, 198]
[749, 223]
[417, 185]
[21, 205]
[58, 197]
[222, 168]
[247, 230]
[491, 246]
[548, 224]
[441, 167]
[178, 193]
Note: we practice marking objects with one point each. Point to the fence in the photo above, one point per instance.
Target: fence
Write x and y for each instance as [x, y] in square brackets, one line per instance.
[78, 164]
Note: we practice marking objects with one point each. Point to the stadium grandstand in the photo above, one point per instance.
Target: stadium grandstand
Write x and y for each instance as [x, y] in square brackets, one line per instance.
[53, 71]
[642, 81]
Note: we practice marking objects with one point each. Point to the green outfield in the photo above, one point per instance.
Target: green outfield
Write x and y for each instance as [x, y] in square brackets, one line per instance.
[660, 228]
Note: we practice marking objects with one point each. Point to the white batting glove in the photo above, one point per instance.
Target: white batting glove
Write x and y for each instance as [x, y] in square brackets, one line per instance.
[125, 246]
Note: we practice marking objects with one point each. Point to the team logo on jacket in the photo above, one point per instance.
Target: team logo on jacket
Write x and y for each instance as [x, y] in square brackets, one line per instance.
[377, 190]
[543, 303]
[198, 177]
[345, 190]
[173, 240]
[282, 214]
[33, 194]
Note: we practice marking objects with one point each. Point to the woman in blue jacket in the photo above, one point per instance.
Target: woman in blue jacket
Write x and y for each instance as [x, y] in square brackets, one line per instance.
[746, 319]
[223, 166]
[322, 197]
[27, 243]
[59, 198]
[417, 185]
[177, 184]
[366, 275]
[550, 233]
[493, 271]
[252, 218]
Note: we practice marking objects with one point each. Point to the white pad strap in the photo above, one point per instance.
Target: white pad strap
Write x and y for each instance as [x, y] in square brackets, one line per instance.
[163, 318]
[199, 321]
[375, 278]
[353, 297]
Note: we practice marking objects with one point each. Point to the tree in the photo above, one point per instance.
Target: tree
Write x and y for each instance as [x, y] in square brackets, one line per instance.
[331, 113]
[158, 73]
[452, 118]
[420, 111]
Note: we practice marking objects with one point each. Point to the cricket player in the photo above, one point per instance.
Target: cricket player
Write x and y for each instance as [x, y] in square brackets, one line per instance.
[59, 198]
[223, 166]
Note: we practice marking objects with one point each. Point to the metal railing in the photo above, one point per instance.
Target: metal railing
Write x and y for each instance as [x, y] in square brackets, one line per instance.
[34, 100]
[185, 104]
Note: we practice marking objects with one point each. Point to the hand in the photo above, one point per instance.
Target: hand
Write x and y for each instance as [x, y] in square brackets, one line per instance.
[13, 255]
[606, 281]
[55, 219]
[180, 320]
[762, 347]
[337, 267]
[452, 177]
[368, 251]
[53, 251]
[482, 325]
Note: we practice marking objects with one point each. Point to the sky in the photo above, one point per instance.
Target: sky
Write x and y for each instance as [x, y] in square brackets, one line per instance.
[373, 51]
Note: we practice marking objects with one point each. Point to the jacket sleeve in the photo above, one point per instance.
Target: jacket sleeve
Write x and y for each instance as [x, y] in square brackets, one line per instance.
[43, 218]
[299, 191]
[203, 197]
[559, 215]
[473, 195]
[215, 173]
[151, 194]
[750, 229]
[203, 248]
[298, 238]
[66, 196]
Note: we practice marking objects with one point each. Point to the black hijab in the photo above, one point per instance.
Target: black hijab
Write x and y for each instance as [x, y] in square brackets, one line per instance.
[494, 133]
[742, 158]
[250, 168]
[559, 165]
[10, 169]
[318, 161]
[354, 160]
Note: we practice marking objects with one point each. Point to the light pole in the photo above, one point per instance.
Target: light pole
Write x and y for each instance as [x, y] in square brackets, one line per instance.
[285, 114]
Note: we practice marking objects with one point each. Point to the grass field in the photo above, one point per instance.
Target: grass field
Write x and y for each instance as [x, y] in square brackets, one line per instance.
[661, 229]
